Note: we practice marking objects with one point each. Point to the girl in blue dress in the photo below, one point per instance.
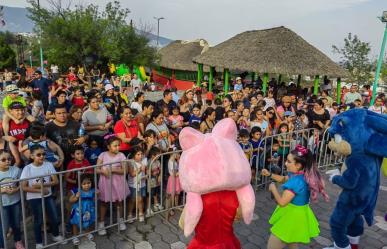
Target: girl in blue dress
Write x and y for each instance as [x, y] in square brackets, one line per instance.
[293, 221]
[85, 209]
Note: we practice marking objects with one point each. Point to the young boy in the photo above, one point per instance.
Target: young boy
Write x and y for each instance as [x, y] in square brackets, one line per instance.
[11, 97]
[78, 162]
[258, 147]
[54, 153]
[245, 143]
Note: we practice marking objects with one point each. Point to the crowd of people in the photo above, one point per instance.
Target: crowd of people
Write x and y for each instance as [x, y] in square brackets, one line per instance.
[63, 123]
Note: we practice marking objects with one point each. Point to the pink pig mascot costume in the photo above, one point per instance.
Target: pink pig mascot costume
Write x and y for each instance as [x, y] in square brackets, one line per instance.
[216, 175]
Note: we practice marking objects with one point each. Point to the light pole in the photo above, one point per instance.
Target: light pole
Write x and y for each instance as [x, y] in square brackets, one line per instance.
[158, 28]
[381, 58]
[40, 44]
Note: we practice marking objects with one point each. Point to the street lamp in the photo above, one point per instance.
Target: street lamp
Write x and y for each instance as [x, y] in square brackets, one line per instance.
[158, 28]
[40, 45]
[383, 18]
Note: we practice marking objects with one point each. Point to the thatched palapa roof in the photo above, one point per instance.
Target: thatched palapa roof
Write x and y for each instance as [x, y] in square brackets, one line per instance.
[277, 50]
[179, 54]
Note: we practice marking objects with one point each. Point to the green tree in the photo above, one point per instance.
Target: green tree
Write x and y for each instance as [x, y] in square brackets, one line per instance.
[74, 35]
[7, 55]
[355, 58]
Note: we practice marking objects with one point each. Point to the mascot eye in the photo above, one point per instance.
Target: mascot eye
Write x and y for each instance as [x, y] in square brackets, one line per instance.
[341, 123]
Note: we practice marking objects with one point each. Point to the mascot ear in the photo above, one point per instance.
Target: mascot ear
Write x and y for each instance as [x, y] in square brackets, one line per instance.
[226, 128]
[377, 143]
[190, 137]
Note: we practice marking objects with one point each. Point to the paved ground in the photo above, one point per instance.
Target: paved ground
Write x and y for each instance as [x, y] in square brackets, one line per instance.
[157, 233]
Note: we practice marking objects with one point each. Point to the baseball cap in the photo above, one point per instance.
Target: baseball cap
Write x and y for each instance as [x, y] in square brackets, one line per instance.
[108, 87]
[16, 105]
[288, 113]
[238, 78]
[12, 89]
[116, 88]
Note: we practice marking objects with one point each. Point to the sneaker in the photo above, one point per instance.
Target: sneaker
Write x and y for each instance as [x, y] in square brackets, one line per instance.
[122, 225]
[19, 245]
[130, 219]
[141, 218]
[59, 238]
[101, 226]
[155, 208]
[149, 212]
[76, 242]
[39, 246]
[90, 237]
[160, 207]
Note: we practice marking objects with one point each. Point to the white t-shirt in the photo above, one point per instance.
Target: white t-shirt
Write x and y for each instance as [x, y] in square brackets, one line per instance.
[140, 177]
[54, 69]
[137, 106]
[135, 83]
[380, 109]
[44, 170]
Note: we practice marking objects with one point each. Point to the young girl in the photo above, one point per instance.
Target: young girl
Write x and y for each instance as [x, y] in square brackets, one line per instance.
[293, 221]
[77, 98]
[173, 185]
[175, 120]
[154, 166]
[38, 188]
[283, 139]
[10, 199]
[112, 180]
[244, 120]
[86, 205]
[137, 181]
[269, 100]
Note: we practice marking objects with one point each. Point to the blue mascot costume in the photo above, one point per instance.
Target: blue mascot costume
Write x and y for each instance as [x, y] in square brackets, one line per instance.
[361, 135]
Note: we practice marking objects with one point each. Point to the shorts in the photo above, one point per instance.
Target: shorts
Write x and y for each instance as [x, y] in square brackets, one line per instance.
[141, 192]
[155, 191]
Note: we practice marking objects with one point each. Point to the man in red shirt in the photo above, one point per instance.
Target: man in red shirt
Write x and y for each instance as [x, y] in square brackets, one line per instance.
[17, 130]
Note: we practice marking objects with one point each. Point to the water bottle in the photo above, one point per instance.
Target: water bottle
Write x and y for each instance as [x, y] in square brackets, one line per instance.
[81, 131]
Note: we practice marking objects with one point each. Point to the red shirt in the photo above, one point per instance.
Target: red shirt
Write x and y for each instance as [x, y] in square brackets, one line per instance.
[74, 175]
[130, 130]
[18, 131]
[78, 101]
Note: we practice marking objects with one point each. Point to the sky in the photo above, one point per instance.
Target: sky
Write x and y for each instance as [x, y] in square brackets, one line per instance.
[320, 22]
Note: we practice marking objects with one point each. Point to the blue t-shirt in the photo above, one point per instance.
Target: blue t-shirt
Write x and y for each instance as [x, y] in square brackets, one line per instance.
[256, 145]
[92, 155]
[194, 119]
[297, 184]
[41, 85]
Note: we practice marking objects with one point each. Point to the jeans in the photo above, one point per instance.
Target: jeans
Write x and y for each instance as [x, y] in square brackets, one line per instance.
[51, 212]
[12, 219]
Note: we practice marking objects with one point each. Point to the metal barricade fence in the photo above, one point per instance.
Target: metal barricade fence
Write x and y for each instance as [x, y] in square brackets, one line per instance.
[263, 158]
[64, 214]
[167, 163]
[274, 160]
[326, 157]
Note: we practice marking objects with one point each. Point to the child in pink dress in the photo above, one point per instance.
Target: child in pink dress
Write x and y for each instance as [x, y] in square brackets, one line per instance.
[173, 185]
[176, 120]
[112, 180]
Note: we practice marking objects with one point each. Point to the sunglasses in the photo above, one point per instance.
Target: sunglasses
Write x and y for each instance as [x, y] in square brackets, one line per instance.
[6, 159]
[40, 154]
[271, 113]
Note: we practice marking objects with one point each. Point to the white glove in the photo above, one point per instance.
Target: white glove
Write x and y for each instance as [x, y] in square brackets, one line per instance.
[332, 173]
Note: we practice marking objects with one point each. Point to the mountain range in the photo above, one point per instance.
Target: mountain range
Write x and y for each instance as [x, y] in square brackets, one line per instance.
[17, 21]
